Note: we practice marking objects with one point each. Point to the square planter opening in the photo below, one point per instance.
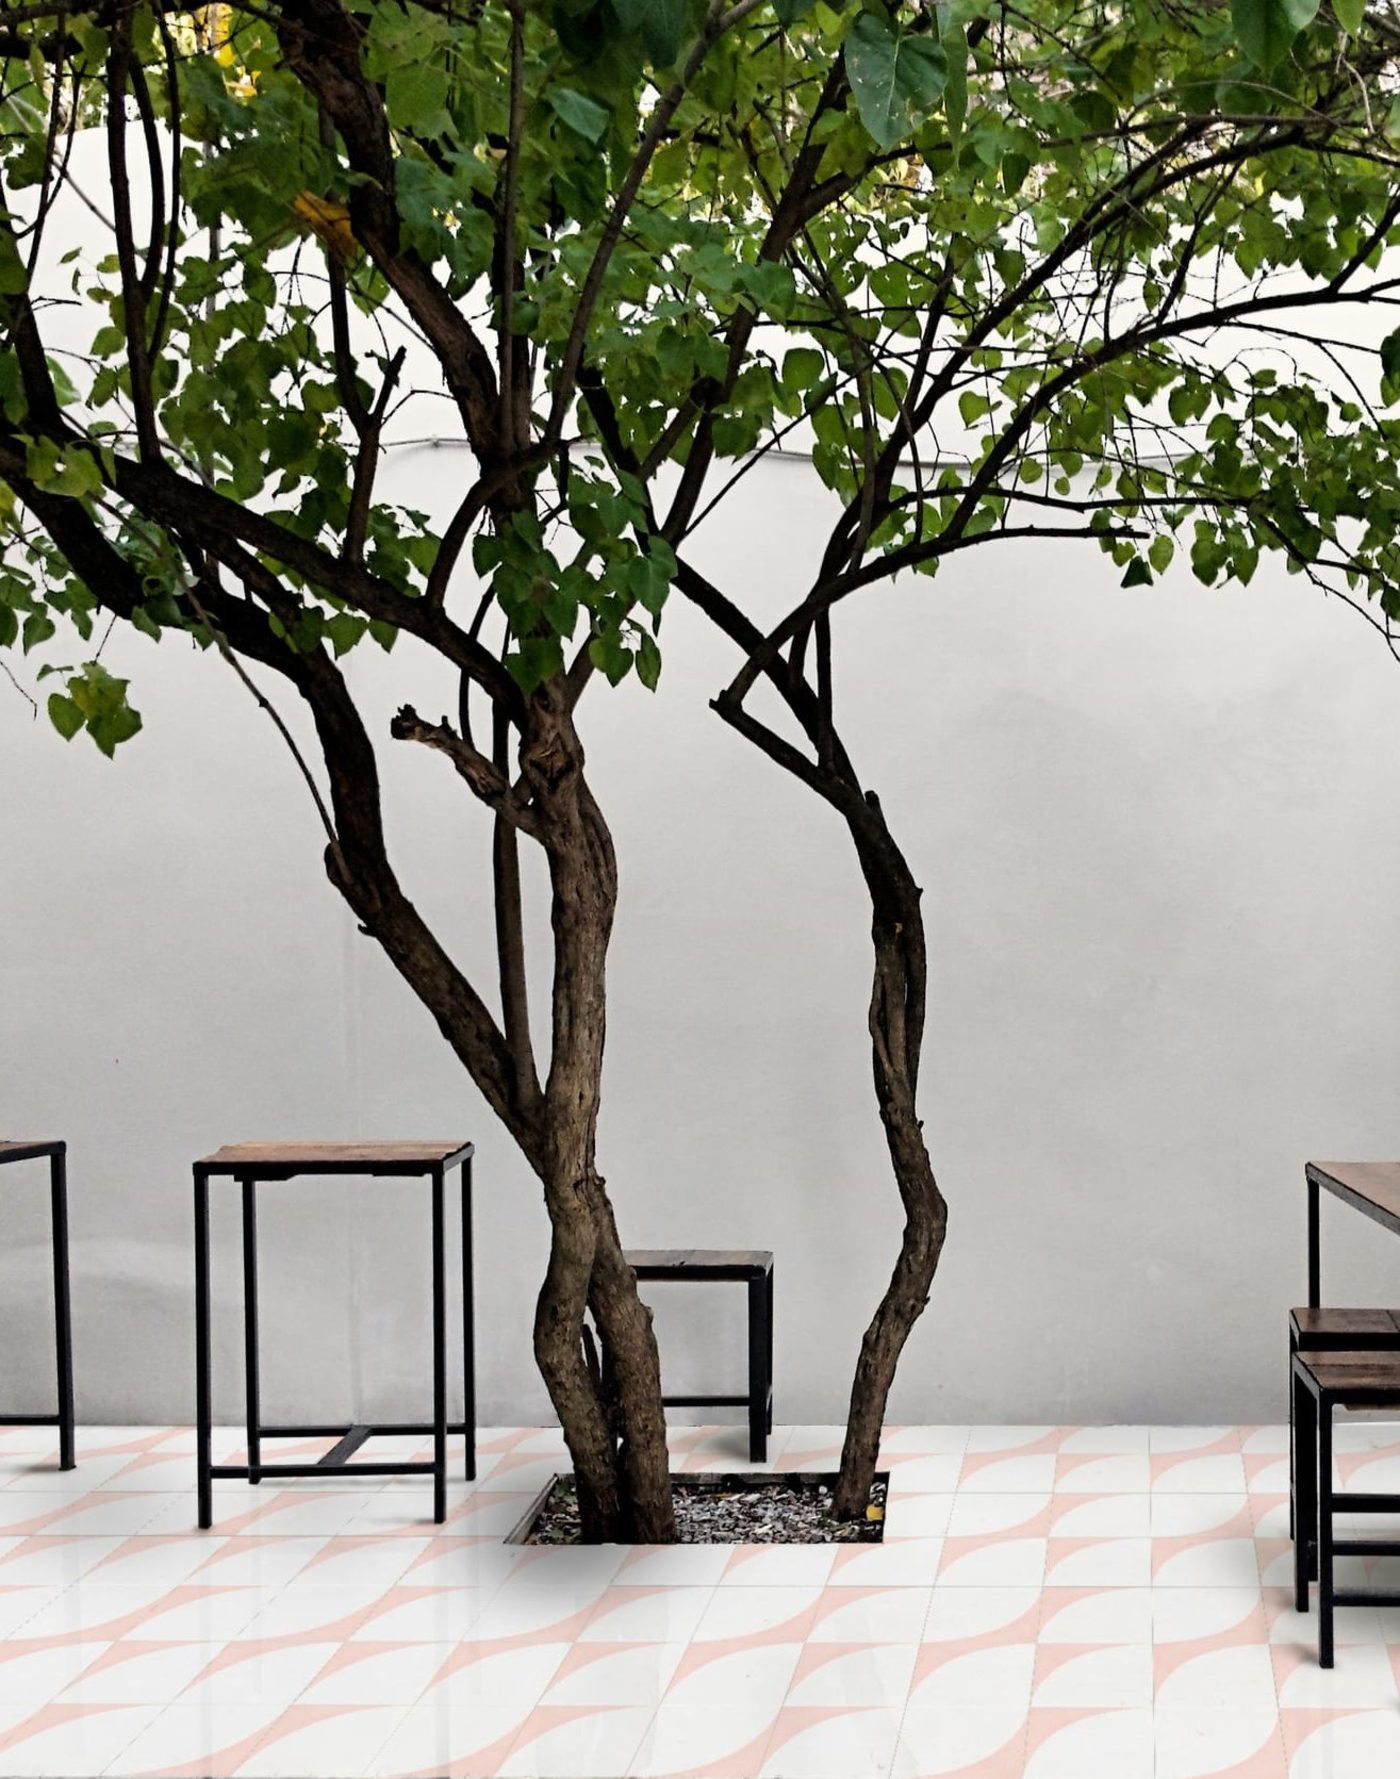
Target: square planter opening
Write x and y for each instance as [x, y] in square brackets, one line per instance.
[717, 1507]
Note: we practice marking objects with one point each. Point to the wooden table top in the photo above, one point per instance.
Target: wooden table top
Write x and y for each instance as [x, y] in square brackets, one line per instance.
[334, 1158]
[699, 1263]
[1371, 1187]
[19, 1150]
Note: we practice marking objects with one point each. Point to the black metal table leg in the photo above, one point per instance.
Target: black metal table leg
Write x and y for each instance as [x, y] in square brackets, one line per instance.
[1314, 1246]
[1305, 1513]
[251, 1366]
[202, 1378]
[758, 1370]
[1325, 1583]
[439, 1356]
[1292, 1438]
[468, 1323]
[62, 1308]
[769, 1389]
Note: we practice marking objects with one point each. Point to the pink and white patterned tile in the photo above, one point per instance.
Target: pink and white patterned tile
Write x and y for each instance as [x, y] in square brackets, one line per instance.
[772, 1614]
[853, 1674]
[1090, 1473]
[906, 1562]
[198, 1741]
[645, 1615]
[1341, 1745]
[571, 1742]
[779, 1565]
[377, 1673]
[1219, 1744]
[922, 1515]
[972, 1743]
[136, 1673]
[1070, 1743]
[71, 1739]
[1094, 1616]
[322, 1742]
[1090, 1582]
[1117, 1675]
[695, 1740]
[987, 1675]
[614, 1674]
[832, 1742]
[1108, 1441]
[33, 1674]
[993, 1562]
[876, 1615]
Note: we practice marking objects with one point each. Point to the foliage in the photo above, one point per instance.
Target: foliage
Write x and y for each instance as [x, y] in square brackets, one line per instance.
[688, 234]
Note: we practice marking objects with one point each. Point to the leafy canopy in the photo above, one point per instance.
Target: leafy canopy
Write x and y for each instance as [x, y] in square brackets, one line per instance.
[1007, 270]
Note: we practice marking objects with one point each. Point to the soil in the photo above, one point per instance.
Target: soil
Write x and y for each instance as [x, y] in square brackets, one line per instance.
[791, 1508]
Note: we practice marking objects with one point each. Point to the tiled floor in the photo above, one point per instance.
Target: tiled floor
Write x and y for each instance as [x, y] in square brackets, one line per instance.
[1058, 1603]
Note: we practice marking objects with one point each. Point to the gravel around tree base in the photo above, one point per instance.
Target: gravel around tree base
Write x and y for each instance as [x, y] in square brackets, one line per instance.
[735, 1509]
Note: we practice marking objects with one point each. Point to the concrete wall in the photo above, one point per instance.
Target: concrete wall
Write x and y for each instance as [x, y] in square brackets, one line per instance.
[1160, 837]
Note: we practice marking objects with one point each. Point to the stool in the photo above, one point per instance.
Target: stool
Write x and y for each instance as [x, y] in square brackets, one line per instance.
[752, 1267]
[57, 1154]
[1334, 1330]
[249, 1163]
[1323, 1382]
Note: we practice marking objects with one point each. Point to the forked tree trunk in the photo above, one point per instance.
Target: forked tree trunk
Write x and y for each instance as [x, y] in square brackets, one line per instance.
[897, 1006]
[623, 1474]
[618, 1448]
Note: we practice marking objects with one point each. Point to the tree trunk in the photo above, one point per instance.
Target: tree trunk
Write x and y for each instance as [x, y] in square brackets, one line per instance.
[897, 1007]
[623, 1475]
[619, 1456]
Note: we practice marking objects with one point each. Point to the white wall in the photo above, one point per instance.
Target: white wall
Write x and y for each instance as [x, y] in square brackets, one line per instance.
[1160, 840]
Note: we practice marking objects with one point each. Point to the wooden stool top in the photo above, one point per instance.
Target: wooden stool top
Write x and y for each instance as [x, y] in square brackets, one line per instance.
[1371, 1378]
[31, 1151]
[266, 1160]
[699, 1263]
[1329, 1322]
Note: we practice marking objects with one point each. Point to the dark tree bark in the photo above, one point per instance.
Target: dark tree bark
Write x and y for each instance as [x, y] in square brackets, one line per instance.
[624, 1485]
[897, 1007]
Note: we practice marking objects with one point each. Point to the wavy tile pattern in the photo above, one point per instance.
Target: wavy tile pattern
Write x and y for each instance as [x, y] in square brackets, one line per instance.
[1049, 1603]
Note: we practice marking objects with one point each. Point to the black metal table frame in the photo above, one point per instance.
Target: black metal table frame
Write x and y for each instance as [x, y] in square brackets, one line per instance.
[758, 1400]
[1318, 1500]
[56, 1154]
[1319, 1181]
[349, 1436]
[1307, 1489]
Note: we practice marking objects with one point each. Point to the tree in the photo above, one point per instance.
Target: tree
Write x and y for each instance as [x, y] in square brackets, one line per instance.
[1013, 270]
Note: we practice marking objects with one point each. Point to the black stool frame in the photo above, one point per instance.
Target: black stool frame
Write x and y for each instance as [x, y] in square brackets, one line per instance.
[752, 1268]
[1315, 1546]
[57, 1156]
[352, 1435]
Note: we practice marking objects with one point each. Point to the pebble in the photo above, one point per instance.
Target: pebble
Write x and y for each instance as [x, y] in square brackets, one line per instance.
[756, 1508]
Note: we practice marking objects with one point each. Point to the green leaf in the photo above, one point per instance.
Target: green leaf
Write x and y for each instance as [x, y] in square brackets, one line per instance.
[661, 23]
[584, 116]
[1265, 29]
[802, 369]
[893, 76]
[955, 93]
[1349, 14]
[64, 715]
[38, 627]
[648, 660]
[415, 93]
[1390, 366]
[1138, 574]
[789, 11]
